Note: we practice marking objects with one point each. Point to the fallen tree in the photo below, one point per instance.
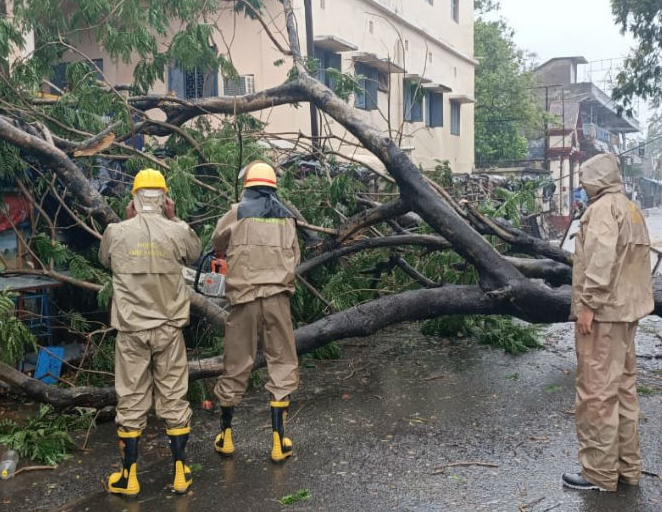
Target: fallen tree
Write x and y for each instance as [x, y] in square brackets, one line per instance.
[533, 289]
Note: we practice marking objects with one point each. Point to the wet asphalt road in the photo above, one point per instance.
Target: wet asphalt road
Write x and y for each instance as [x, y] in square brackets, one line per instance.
[378, 430]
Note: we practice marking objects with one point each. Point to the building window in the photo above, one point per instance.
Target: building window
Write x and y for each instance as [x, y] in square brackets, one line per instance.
[413, 102]
[327, 60]
[434, 109]
[59, 78]
[455, 118]
[406, 45]
[193, 84]
[239, 86]
[383, 81]
[431, 2]
[366, 98]
[455, 10]
[429, 56]
[371, 27]
[322, 4]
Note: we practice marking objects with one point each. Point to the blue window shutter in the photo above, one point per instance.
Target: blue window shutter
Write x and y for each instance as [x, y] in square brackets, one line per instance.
[360, 96]
[372, 89]
[427, 111]
[408, 101]
[176, 82]
[417, 103]
[333, 61]
[435, 109]
[439, 114]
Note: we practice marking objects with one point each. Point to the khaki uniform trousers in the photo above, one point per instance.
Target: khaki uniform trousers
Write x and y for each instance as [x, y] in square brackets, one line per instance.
[151, 367]
[268, 318]
[606, 406]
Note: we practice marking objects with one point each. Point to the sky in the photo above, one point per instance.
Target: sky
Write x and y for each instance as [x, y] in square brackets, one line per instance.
[558, 28]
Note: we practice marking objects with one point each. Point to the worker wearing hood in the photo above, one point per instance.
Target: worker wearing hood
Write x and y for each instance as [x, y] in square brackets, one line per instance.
[611, 291]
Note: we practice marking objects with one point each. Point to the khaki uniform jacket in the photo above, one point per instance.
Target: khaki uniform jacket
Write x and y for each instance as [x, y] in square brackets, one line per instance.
[611, 267]
[146, 254]
[262, 255]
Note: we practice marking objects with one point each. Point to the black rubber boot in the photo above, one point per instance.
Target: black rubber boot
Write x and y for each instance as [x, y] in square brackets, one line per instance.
[178, 439]
[281, 448]
[223, 443]
[125, 482]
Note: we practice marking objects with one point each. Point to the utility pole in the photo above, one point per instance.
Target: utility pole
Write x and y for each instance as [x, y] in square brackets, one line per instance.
[310, 45]
[546, 162]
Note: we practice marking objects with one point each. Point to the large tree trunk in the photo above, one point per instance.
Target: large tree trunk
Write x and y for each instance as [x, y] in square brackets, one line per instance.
[524, 288]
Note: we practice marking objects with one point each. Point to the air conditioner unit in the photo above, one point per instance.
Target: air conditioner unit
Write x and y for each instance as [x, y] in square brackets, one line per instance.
[249, 81]
[239, 86]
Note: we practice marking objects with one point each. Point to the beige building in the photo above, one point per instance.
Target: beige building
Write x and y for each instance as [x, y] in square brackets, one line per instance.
[416, 57]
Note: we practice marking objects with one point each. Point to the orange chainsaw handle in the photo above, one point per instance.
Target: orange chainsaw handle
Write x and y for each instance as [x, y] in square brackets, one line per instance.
[219, 266]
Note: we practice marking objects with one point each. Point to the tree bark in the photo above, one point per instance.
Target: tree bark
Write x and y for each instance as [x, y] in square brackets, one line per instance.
[369, 217]
[60, 398]
[362, 320]
[178, 113]
[519, 240]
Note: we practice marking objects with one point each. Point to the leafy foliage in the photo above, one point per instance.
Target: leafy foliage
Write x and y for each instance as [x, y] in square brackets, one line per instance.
[512, 202]
[15, 337]
[45, 438]
[329, 351]
[484, 6]
[79, 266]
[128, 31]
[498, 331]
[506, 111]
[203, 179]
[10, 162]
[300, 495]
[642, 73]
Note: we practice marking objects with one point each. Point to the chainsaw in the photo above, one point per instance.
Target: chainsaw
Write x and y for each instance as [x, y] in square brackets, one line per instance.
[212, 283]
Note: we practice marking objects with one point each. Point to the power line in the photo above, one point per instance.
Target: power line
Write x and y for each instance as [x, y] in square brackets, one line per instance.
[643, 144]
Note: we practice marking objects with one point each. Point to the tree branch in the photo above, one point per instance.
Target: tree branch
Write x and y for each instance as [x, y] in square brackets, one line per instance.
[431, 242]
[66, 170]
[518, 239]
[371, 216]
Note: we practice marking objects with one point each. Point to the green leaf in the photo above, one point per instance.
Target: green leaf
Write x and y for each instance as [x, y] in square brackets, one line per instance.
[300, 495]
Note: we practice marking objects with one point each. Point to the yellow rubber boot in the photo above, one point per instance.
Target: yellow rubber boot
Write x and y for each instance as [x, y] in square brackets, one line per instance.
[178, 439]
[281, 447]
[223, 443]
[125, 482]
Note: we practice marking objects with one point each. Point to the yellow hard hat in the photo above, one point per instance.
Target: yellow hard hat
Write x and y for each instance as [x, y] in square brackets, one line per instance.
[149, 178]
[259, 174]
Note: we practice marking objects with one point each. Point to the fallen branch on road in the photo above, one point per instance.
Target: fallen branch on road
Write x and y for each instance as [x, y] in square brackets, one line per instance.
[440, 469]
